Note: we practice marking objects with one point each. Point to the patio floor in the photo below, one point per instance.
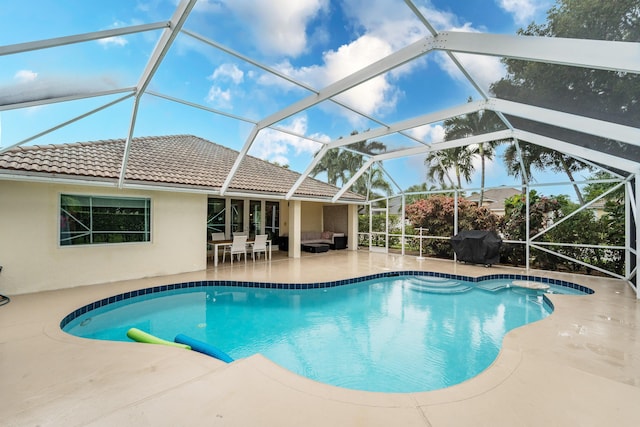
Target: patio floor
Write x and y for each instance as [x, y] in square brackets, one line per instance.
[578, 367]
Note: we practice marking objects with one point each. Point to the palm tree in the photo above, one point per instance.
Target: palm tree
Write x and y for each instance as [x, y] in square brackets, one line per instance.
[541, 158]
[473, 124]
[559, 162]
[531, 159]
[341, 164]
[374, 180]
[332, 164]
[460, 159]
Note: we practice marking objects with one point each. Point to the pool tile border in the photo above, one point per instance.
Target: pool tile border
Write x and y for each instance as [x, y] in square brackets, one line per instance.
[316, 285]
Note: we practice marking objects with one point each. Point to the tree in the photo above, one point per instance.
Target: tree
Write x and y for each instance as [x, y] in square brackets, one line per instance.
[559, 162]
[458, 159]
[371, 181]
[514, 225]
[606, 95]
[595, 189]
[332, 164]
[580, 228]
[531, 155]
[598, 93]
[476, 124]
[341, 164]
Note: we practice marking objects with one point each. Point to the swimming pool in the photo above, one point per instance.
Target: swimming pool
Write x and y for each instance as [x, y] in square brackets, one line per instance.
[390, 332]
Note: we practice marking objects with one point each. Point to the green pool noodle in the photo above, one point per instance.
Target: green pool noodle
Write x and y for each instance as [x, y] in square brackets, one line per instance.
[141, 336]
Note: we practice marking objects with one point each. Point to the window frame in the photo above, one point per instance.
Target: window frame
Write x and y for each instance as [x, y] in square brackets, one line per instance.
[146, 233]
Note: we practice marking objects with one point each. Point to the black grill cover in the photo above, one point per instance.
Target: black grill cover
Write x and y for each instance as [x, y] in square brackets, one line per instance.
[477, 246]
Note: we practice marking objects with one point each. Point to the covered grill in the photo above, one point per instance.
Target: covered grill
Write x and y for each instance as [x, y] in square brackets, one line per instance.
[477, 246]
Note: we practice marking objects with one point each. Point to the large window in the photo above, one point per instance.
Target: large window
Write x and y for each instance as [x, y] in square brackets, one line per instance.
[87, 220]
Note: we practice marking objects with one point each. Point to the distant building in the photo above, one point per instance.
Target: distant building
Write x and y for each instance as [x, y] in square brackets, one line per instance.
[494, 198]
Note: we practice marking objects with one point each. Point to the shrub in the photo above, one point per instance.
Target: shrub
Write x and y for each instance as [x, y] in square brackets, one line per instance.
[436, 214]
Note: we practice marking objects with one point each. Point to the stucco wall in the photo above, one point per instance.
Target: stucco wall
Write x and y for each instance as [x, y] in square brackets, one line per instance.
[336, 218]
[311, 214]
[34, 261]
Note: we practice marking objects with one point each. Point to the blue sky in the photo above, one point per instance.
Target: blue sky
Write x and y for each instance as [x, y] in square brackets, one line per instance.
[313, 41]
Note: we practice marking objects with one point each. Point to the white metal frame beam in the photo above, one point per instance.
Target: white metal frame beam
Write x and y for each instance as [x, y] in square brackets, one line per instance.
[601, 128]
[68, 122]
[388, 63]
[451, 55]
[598, 54]
[578, 152]
[80, 38]
[353, 179]
[281, 75]
[503, 134]
[404, 125]
[73, 97]
[169, 34]
[229, 115]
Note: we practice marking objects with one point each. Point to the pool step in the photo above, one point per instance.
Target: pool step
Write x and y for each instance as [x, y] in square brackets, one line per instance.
[434, 281]
[438, 286]
[492, 286]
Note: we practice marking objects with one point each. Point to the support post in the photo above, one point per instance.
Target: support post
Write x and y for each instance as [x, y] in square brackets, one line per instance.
[635, 197]
[295, 228]
[352, 228]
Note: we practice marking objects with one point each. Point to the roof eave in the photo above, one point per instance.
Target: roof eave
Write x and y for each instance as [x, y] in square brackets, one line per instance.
[45, 177]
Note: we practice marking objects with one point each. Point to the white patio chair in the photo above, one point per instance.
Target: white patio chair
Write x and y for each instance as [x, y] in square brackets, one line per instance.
[215, 237]
[259, 246]
[238, 247]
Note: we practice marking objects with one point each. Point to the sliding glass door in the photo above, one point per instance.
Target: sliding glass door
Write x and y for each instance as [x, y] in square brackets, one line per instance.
[237, 216]
[232, 216]
[272, 219]
[255, 218]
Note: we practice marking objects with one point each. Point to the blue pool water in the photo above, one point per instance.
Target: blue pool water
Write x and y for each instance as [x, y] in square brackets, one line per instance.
[393, 334]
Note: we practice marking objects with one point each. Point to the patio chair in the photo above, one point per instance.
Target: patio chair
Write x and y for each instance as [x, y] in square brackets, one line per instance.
[218, 236]
[259, 246]
[215, 237]
[238, 247]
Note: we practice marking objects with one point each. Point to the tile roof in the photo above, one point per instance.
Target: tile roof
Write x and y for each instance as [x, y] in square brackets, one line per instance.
[176, 160]
[495, 196]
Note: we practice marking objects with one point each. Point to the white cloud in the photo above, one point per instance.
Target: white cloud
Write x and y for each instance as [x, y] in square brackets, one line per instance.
[279, 26]
[218, 97]
[374, 96]
[385, 19]
[429, 133]
[118, 41]
[276, 146]
[385, 28]
[228, 72]
[523, 11]
[222, 98]
[24, 76]
[484, 69]
[113, 41]
[207, 6]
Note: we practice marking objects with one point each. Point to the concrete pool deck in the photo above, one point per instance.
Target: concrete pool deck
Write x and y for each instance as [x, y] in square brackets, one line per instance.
[578, 367]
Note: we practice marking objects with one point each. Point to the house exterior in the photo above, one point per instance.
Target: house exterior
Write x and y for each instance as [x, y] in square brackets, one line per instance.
[494, 198]
[67, 217]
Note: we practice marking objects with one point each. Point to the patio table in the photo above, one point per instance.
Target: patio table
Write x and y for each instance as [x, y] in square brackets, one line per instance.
[224, 243]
